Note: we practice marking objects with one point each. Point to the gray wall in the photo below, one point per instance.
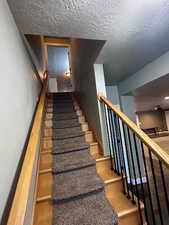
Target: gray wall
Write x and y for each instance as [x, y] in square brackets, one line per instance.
[112, 94]
[35, 45]
[101, 90]
[150, 72]
[19, 91]
[83, 54]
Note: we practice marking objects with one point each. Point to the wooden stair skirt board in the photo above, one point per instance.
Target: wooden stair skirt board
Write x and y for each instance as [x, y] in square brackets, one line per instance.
[127, 212]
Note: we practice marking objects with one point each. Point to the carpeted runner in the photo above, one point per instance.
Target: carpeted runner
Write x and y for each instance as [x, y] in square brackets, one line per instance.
[69, 141]
[72, 161]
[67, 133]
[78, 192]
[73, 184]
[66, 116]
[65, 124]
[69, 147]
[61, 136]
[89, 210]
[61, 110]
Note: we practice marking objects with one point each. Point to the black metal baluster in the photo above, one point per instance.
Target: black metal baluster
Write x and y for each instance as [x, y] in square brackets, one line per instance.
[115, 144]
[108, 133]
[128, 163]
[119, 150]
[140, 175]
[148, 184]
[124, 163]
[164, 185]
[155, 185]
[112, 139]
[134, 173]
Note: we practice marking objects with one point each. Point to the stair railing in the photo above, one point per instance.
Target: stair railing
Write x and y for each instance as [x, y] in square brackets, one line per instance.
[142, 164]
[24, 201]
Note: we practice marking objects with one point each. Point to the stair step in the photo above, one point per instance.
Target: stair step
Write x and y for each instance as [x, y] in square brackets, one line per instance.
[127, 212]
[73, 184]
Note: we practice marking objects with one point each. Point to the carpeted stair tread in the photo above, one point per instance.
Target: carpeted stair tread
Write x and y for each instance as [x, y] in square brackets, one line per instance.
[67, 130]
[69, 147]
[72, 161]
[63, 105]
[66, 123]
[66, 116]
[61, 110]
[67, 135]
[91, 210]
[70, 185]
[67, 143]
[60, 101]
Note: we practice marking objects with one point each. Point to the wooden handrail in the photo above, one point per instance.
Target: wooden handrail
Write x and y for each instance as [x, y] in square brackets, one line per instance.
[155, 148]
[19, 205]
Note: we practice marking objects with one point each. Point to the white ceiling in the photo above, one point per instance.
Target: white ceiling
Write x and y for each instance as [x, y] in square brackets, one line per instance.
[136, 32]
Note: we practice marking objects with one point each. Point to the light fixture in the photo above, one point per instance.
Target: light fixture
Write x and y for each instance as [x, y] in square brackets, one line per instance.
[166, 97]
[157, 107]
[67, 73]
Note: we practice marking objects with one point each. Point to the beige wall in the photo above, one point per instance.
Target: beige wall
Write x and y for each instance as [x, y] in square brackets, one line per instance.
[152, 119]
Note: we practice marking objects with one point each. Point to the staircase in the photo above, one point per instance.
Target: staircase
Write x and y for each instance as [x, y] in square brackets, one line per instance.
[76, 183]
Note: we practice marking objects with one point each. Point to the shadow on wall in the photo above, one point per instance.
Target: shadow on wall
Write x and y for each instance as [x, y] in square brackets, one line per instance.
[83, 55]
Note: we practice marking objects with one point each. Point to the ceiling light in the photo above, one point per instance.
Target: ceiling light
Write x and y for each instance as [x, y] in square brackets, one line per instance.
[166, 97]
[67, 73]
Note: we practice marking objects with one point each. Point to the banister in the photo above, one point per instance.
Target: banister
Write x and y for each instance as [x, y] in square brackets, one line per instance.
[19, 205]
[155, 148]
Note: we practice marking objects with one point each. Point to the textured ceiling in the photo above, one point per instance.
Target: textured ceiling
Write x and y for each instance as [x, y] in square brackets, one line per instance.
[136, 32]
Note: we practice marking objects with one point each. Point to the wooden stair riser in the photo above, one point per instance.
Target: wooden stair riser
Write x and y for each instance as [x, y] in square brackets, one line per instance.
[43, 213]
[130, 219]
[46, 161]
[79, 112]
[84, 127]
[113, 187]
[89, 137]
[81, 119]
[45, 183]
[103, 165]
[77, 107]
[94, 148]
